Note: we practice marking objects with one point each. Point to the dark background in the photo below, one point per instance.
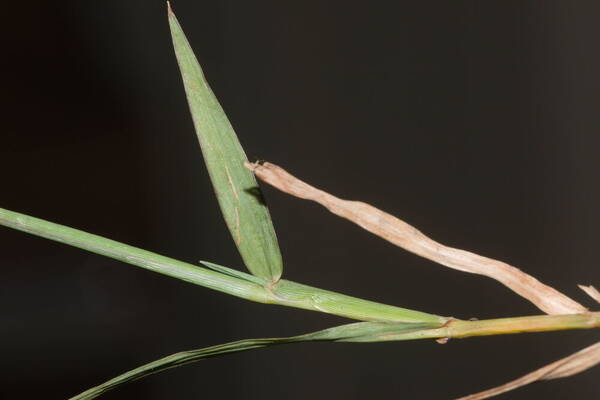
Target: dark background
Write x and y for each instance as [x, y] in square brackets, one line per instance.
[475, 121]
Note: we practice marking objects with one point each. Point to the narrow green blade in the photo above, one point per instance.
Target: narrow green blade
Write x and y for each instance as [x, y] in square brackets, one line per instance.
[356, 332]
[226, 283]
[173, 361]
[223, 279]
[237, 191]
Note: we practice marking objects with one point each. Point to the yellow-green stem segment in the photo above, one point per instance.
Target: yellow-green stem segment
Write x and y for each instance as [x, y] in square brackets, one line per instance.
[539, 323]
[458, 329]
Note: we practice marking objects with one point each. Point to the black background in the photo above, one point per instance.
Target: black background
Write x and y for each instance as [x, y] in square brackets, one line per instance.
[475, 121]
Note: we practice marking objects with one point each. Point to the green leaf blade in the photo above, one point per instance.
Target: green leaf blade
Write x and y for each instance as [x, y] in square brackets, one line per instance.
[356, 332]
[238, 194]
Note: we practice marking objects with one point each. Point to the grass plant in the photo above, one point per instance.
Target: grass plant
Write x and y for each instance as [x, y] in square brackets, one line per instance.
[248, 220]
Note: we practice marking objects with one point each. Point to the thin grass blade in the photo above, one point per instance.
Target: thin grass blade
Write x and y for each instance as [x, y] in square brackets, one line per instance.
[220, 278]
[237, 191]
[565, 367]
[135, 256]
[357, 332]
[173, 361]
[591, 291]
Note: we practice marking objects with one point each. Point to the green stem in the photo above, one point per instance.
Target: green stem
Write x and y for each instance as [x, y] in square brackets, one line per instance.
[283, 292]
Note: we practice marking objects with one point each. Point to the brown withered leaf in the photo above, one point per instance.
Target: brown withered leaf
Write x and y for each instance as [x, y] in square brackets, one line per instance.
[409, 238]
[568, 366]
[591, 291]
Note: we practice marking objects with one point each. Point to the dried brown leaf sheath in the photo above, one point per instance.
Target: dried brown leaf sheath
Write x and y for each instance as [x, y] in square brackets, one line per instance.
[409, 238]
[562, 368]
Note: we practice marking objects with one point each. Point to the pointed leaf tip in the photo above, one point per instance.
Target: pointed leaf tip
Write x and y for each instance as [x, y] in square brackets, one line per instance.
[591, 291]
[239, 196]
